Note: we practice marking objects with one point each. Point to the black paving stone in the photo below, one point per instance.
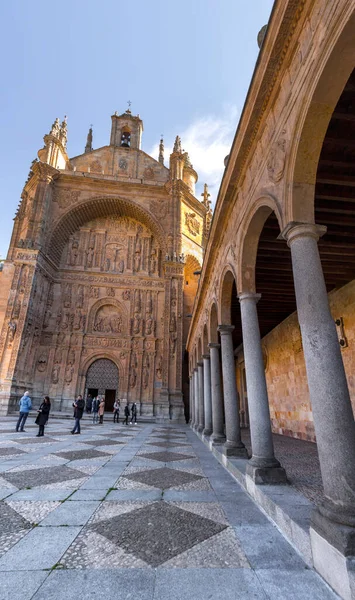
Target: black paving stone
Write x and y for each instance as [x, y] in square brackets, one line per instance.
[82, 454]
[35, 477]
[167, 444]
[165, 456]
[10, 520]
[107, 442]
[164, 478]
[11, 451]
[157, 532]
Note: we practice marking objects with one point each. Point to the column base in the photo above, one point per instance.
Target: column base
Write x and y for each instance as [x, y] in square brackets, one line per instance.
[199, 429]
[207, 433]
[266, 475]
[239, 451]
[333, 549]
[217, 440]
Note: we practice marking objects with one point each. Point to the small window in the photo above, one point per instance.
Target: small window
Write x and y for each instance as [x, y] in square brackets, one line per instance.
[125, 138]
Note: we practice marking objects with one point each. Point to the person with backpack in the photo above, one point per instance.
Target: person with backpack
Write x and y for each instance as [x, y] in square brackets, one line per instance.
[25, 407]
[126, 414]
[134, 413]
[79, 406]
[95, 410]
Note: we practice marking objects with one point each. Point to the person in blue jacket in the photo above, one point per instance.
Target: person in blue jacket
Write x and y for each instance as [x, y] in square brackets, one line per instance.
[25, 407]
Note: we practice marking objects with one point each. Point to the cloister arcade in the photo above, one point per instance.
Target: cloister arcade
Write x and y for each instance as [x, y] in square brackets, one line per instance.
[271, 343]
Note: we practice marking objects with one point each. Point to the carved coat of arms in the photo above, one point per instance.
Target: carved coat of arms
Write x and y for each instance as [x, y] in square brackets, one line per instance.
[192, 223]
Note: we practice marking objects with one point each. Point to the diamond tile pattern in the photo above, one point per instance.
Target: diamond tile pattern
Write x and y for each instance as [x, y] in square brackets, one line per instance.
[82, 454]
[35, 440]
[11, 451]
[163, 478]
[165, 456]
[35, 477]
[10, 520]
[167, 444]
[104, 443]
[157, 532]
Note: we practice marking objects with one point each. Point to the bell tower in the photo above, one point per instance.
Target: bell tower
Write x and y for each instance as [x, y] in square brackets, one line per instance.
[126, 130]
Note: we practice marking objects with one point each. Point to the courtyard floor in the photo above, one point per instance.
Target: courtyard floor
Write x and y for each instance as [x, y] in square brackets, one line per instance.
[140, 512]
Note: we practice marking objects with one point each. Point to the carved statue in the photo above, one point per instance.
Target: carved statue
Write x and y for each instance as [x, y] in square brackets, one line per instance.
[145, 376]
[23, 282]
[69, 371]
[136, 323]
[71, 357]
[12, 330]
[149, 325]
[67, 296]
[126, 295]
[116, 323]
[55, 373]
[47, 318]
[65, 321]
[159, 369]
[133, 378]
[172, 326]
[89, 257]
[77, 320]
[173, 339]
[74, 253]
[137, 260]
[153, 261]
[16, 309]
[80, 297]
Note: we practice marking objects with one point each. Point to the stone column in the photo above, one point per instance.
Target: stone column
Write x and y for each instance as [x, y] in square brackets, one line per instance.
[234, 445]
[196, 396]
[207, 394]
[218, 436]
[333, 417]
[191, 404]
[263, 466]
[201, 408]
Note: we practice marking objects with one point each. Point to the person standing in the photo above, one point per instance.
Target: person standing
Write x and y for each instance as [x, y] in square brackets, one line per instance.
[134, 413]
[116, 411]
[43, 414]
[89, 404]
[25, 407]
[79, 406]
[126, 414]
[101, 410]
[95, 410]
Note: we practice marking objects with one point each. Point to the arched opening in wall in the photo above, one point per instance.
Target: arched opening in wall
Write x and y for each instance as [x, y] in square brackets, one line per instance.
[230, 315]
[125, 137]
[334, 206]
[102, 378]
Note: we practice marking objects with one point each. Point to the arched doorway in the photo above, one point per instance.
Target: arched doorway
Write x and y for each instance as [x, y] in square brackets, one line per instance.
[102, 378]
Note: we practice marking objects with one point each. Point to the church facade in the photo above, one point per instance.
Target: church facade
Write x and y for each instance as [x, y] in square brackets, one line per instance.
[99, 275]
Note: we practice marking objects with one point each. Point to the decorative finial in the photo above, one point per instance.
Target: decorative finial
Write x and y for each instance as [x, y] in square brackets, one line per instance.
[177, 145]
[161, 150]
[63, 132]
[88, 147]
[261, 36]
[206, 202]
[55, 128]
[129, 107]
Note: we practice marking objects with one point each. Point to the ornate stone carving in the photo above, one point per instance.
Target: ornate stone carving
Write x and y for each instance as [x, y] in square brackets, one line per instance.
[159, 369]
[148, 173]
[80, 297]
[12, 331]
[96, 167]
[122, 164]
[108, 320]
[192, 223]
[73, 254]
[94, 292]
[110, 292]
[42, 362]
[65, 197]
[126, 295]
[67, 295]
[277, 159]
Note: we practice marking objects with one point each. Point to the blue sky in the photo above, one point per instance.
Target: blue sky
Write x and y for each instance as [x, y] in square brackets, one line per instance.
[185, 65]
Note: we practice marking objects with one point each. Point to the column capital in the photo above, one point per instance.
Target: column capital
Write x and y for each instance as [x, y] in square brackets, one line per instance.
[200, 363]
[295, 230]
[249, 296]
[206, 356]
[214, 345]
[225, 329]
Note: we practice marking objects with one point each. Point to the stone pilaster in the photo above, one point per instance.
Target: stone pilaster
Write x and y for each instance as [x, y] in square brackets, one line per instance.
[201, 407]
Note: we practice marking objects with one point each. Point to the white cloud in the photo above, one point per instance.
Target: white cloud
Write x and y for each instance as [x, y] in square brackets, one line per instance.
[207, 140]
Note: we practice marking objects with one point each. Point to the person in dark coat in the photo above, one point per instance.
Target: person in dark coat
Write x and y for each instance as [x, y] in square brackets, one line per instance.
[89, 404]
[126, 414]
[43, 414]
[134, 413]
[79, 406]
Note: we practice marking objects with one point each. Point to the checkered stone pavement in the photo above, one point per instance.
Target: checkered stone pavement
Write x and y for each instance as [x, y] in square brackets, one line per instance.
[136, 503]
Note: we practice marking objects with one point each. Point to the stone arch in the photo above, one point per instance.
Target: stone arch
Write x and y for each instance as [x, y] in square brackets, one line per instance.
[248, 240]
[336, 63]
[100, 304]
[88, 210]
[213, 323]
[228, 278]
[94, 356]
